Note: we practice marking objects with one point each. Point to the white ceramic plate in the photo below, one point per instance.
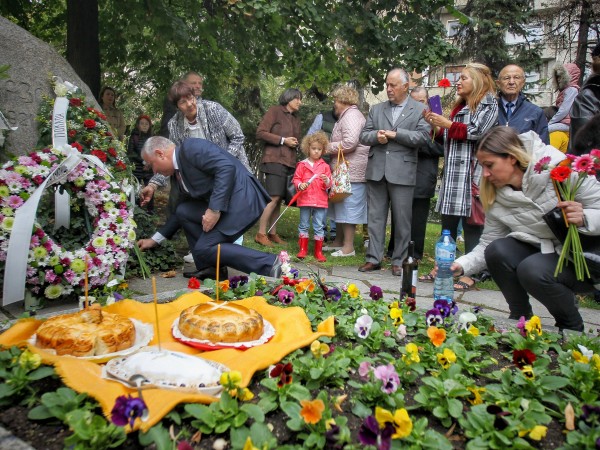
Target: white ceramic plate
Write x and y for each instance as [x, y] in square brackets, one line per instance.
[144, 332]
[167, 369]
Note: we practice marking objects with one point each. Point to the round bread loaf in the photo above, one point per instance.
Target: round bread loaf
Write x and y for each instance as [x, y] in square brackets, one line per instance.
[89, 332]
[221, 322]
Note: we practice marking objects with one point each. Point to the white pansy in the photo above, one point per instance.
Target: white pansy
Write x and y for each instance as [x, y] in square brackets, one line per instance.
[585, 352]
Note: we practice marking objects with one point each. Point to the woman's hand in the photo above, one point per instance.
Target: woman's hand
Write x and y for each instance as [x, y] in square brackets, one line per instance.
[456, 268]
[436, 120]
[574, 212]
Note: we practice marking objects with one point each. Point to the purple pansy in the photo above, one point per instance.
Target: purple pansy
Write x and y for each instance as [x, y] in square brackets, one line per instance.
[443, 307]
[433, 317]
[375, 292]
[126, 410]
[333, 293]
[285, 296]
[370, 433]
[521, 326]
[389, 377]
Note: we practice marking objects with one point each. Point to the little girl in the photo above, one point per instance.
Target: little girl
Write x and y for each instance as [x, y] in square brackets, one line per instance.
[312, 178]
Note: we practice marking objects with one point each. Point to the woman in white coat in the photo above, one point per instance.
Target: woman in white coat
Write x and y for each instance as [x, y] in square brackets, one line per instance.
[517, 246]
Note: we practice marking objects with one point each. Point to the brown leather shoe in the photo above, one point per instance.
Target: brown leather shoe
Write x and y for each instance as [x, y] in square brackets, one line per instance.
[275, 238]
[397, 271]
[262, 239]
[369, 267]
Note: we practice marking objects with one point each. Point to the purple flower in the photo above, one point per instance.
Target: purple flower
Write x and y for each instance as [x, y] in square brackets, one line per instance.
[126, 410]
[375, 292]
[334, 294]
[258, 293]
[285, 296]
[118, 296]
[364, 369]
[370, 434]
[332, 438]
[238, 280]
[500, 423]
[390, 378]
[477, 309]
[433, 317]
[295, 273]
[590, 414]
[443, 307]
[362, 327]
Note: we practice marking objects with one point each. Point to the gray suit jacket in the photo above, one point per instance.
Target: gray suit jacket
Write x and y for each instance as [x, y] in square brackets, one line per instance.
[396, 160]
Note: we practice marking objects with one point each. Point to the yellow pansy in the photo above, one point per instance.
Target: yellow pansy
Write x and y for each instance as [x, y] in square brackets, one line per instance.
[446, 358]
[353, 291]
[473, 330]
[231, 379]
[412, 354]
[396, 315]
[319, 349]
[528, 372]
[578, 356]
[476, 398]
[29, 360]
[248, 445]
[400, 420]
[534, 325]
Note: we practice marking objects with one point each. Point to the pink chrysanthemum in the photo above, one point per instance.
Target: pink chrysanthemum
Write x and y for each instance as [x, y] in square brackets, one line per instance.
[584, 163]
[14, 201]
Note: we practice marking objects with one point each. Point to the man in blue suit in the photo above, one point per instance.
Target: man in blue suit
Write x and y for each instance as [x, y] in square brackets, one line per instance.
[221, 200]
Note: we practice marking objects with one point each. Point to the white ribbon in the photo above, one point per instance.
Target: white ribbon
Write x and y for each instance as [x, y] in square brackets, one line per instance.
[18, 247]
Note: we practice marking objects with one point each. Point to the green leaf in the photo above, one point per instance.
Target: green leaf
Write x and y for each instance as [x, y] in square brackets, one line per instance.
[41, 372]
[316, 372]
[157, 435]
[455, 407]
[253, 411]
[553, 382]
[39, 412]
[202, 413]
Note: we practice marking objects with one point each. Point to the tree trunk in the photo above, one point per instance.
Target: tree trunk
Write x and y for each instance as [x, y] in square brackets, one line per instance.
[83, 46]
[582, 38]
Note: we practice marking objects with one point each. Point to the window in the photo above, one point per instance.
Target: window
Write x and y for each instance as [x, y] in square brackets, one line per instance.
[453, 73]
[452, 28]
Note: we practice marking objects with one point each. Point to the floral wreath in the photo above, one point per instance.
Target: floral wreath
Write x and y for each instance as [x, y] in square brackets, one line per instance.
[52, 270]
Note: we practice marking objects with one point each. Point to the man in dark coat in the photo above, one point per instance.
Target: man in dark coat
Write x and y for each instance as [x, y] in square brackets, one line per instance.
[221, 200]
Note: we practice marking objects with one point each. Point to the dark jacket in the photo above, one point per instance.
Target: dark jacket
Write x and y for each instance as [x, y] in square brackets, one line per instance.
[134, 151]
[218, 179]
[428, 169]
[585, 106]
[278, 122]
[525, 117]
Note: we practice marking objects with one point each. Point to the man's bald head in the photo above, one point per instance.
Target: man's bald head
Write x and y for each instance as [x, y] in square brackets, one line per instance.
[511, 81]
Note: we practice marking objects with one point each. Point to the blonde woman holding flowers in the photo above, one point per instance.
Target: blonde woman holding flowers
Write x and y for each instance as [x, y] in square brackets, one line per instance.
[517, 246]
[475, 111]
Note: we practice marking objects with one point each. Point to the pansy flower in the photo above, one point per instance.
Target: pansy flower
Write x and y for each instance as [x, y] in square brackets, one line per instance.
[400, 420]
[364, 369]
[500, 423]
[333, 293]
[353, 291]
[387, 374]
[446, 358]
[522, 358]
[283, 372]
[193, 283]
[521, 326]
[433, 317]
[362, 327]
[401, 331]
[312, 410]
[475, 397]
[534, 325]
[443, 307]
[396, 316]
[126, 410]
[437, 335]
[285, 296]
[412, 354]
[375, 293]
[370, 433]
[410, 303]
[527, 371]
[319, 349]
[466, 319]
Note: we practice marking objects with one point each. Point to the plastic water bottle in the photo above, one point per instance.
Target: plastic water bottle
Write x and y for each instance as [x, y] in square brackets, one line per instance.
[445, 249]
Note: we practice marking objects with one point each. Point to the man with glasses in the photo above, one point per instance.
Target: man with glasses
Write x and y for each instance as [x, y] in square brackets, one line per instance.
[514, 109]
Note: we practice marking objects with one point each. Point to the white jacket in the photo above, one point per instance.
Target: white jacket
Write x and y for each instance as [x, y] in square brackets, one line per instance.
[518, 214]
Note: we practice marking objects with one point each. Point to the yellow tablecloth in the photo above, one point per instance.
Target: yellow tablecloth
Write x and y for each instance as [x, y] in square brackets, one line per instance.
[292, 331]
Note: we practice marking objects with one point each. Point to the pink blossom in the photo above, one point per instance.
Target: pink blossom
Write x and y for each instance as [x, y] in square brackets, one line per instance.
[584, 163]
[2, 255]
[595, 153]
[389, 377]
[69, 275]
[14, 201]
[364, 369]
[50, 276]
[35, 241]
[13, 177]
[48, 245]
[542, 164]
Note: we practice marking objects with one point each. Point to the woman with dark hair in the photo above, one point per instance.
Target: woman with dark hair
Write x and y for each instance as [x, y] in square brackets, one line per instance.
[475, 111]
[141, 132]
[114, 116]
[279, 129]
[517, 246]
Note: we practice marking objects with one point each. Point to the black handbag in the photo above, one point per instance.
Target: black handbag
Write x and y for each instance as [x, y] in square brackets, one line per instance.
[590, 244]
[290, 189]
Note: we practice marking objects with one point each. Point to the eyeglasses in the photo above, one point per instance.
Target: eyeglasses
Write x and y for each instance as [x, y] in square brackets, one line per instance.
[508, 78]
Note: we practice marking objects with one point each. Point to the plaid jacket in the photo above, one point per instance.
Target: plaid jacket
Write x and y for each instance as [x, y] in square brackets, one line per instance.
[455, 194]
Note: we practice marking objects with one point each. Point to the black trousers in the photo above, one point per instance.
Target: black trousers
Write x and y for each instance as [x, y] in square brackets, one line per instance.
[520, 270]
[472, 232]
[418, 226]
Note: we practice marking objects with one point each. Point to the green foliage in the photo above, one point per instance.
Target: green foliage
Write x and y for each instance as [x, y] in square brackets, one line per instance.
[18, 369]
[57, 404]
[442, 398]
[318, 370]
[92, 431]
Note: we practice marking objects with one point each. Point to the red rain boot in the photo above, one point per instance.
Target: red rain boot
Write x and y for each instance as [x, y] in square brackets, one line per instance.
[303, 244]
[319, 251]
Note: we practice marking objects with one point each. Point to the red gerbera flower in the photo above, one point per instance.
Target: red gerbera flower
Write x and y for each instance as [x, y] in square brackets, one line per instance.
[444, 83]
[89, 123]
[560, 173]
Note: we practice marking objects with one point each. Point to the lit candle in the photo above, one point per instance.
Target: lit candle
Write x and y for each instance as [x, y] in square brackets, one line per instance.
[156, 312]
[218, 263]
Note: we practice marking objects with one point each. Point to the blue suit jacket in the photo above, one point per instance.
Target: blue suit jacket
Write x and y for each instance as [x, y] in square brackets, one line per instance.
[218, 181]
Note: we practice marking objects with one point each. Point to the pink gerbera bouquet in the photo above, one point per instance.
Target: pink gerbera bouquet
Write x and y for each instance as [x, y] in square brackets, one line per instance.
[566, 186]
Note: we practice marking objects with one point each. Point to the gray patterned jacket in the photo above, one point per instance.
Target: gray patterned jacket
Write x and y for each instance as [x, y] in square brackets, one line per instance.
[219, 127]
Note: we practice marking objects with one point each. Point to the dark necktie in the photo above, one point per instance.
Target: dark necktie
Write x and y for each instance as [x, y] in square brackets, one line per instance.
[509, 110]
[179, 181]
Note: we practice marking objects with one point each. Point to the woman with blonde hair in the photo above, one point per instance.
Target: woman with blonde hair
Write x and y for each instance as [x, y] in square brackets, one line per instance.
[518, 248]
[474, 112]
[345, 135]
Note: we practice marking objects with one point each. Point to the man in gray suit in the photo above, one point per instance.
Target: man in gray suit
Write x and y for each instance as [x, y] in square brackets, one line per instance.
[395, 130]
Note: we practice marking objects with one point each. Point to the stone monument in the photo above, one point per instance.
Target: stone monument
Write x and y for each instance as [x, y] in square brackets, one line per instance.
[32, 62]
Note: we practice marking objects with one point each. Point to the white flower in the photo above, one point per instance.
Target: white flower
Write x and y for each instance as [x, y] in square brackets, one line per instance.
[466, 319]
[364, 311]
[362, 327]
[585, 352]
[112, 282]
[220, 444]
[401, 331]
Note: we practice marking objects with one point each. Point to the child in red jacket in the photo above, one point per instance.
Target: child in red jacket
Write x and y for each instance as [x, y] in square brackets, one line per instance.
[312, 178]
